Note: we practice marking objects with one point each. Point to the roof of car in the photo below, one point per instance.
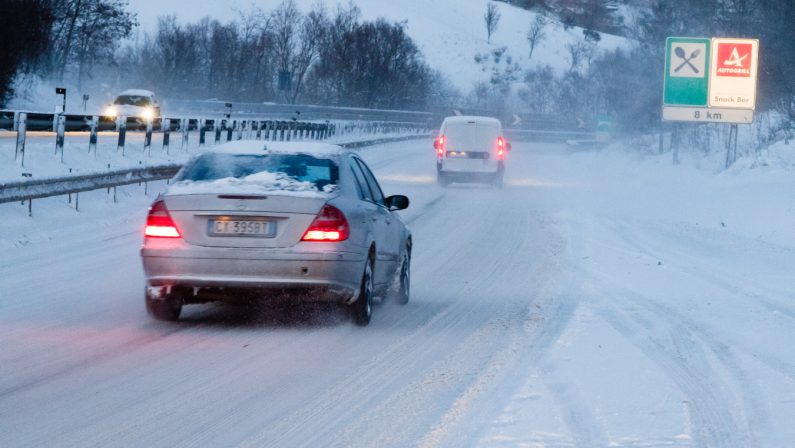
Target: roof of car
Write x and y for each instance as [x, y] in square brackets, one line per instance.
[471, 118]
[260, 147]
[137, 92]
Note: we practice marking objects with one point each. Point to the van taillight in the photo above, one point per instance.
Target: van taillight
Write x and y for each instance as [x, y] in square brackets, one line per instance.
[439, 145]
[329, 225]
[500, 148]
[159, 223]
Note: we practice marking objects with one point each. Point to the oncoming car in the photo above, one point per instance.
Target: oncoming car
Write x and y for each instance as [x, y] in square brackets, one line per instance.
[134, 103]
[470, 149]
[287, 221]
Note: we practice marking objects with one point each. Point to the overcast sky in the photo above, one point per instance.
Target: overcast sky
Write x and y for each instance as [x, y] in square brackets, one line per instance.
[190, 10]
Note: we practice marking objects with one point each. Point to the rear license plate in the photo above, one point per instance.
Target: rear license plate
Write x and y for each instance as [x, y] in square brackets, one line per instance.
[467, 155]
[241, 227]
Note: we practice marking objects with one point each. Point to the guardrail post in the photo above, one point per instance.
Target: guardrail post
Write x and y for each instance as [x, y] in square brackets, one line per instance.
[258, 125]
[92, 137]
[202, 128]
[21, 124]
[60, 129]
[148, 137]
[289, 126]
[229, 130]
[166, 125]
[282, 125]
[121, 128]
[185, 132]
[219, 124]
[240, 129]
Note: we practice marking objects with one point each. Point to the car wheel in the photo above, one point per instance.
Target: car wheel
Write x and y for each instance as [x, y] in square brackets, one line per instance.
[166, 308]
[404, 279]
[362, 308]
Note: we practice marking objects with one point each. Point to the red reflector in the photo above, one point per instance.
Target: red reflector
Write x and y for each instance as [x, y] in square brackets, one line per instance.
[329, 225]
[159, 223]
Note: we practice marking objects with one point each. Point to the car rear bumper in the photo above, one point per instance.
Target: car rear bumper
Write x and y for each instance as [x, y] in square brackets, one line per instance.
[324, 276]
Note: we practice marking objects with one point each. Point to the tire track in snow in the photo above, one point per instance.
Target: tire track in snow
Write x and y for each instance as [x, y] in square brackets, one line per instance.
[681, 357]
[378, 391]
[688, 354]
[411, 352]
[702, 271]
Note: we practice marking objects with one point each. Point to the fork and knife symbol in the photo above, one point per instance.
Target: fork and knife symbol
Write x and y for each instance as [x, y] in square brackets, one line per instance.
[680, 53]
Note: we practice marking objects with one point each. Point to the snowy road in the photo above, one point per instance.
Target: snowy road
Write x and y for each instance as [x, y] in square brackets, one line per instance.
[593, 302]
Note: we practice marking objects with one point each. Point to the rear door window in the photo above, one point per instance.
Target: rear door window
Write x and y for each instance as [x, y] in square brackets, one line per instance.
[375, 189]
[471, 136]
[361, 183]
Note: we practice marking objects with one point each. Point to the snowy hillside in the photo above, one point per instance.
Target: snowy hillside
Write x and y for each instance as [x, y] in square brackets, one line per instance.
[449, 32]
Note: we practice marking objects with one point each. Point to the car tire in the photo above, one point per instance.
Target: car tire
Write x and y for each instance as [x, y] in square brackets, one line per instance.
[362, 308]
[166, 308]
[404, 278]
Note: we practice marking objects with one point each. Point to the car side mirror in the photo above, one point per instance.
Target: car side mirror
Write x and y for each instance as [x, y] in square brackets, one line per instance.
[397, 202]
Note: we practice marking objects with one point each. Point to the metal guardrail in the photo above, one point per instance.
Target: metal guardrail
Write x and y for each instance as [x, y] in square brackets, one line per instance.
[38, 189]
[547, 136]
[297, 111]
[38, 121]
[59, 186]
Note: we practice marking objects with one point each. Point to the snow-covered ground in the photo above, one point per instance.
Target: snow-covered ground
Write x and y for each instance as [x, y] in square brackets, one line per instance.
[599, 299]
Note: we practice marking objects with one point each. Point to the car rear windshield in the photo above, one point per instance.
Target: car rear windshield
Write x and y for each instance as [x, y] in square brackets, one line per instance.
[299, 167]
[132, 100]
[471, 136]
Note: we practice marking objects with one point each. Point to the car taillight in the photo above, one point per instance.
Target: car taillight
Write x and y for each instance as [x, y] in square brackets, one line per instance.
[329, 225]
[159, 223]
[439, 145]
[500, 148]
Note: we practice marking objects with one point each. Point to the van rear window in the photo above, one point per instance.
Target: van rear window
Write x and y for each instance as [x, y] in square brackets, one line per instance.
[471, 136]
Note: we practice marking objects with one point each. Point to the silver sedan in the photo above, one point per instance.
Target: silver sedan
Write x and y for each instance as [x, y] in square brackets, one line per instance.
[281, 221]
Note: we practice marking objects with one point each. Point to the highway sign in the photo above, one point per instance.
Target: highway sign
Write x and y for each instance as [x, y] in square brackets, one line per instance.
[708, 114]
[732, 81]
[686, 80]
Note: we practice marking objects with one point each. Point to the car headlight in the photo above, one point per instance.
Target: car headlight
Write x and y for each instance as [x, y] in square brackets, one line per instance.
[110, 111]
[148, 114]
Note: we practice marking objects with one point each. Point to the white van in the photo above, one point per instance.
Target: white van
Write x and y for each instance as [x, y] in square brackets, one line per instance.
[470, 149]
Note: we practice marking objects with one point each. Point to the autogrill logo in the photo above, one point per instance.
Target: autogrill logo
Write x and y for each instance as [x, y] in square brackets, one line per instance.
[734, 60]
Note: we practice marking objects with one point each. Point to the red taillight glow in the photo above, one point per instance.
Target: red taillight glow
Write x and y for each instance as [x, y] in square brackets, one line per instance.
[329, 225]
[500, 148]
[439, 145]
[159, 223]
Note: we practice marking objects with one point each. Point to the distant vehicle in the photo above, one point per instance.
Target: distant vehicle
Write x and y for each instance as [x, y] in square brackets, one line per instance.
[134, 103]
[290, 220]
[470, 149]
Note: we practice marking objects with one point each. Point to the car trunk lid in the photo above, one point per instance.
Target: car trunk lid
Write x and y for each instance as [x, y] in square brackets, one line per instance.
[244, 220]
